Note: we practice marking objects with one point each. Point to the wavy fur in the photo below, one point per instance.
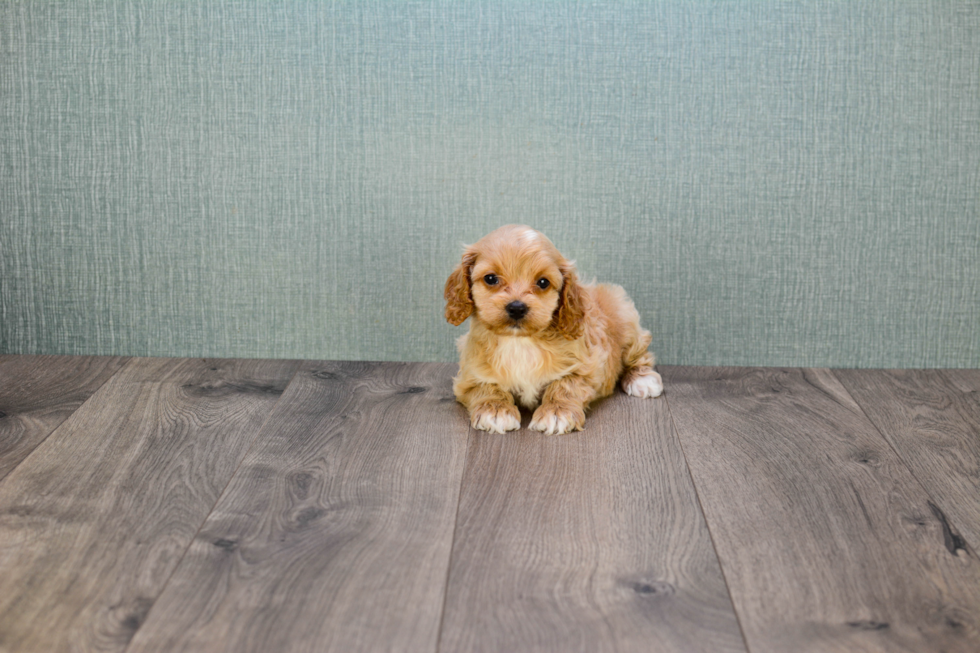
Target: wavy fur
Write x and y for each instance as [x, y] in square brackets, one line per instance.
[570, 348]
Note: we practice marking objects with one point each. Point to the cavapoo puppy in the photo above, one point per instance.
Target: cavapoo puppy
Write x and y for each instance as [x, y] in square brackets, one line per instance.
[539, 337]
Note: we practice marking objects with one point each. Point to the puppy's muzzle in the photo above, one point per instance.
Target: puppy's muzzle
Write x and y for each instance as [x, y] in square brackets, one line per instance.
[516, 310]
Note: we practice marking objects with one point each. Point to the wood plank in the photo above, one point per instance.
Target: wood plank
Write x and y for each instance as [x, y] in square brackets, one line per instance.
[966, 381]
[335, 533]
[38, 393]
[827, 541]
[592, 541]
[932, 419]
[95, 520]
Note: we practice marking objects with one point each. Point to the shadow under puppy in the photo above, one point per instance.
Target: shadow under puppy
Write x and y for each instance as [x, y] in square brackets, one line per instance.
[540, 338]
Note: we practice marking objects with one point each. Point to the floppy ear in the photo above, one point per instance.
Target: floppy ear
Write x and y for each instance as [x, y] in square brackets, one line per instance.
[571, 304]
[459, 300]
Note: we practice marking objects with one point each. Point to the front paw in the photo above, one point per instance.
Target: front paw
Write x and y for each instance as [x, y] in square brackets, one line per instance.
[495, 417]
[554, 419]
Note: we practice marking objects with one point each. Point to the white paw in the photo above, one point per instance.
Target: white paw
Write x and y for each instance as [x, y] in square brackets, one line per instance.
[648, 385]
[557, 421]
[496, 420]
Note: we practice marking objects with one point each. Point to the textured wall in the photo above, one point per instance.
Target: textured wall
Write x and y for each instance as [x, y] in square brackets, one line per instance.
[777, 183]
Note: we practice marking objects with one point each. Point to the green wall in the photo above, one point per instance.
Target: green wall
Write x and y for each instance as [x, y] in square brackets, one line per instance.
[775, 183]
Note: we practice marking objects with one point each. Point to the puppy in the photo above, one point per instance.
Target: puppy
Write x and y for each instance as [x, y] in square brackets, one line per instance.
[539, 338]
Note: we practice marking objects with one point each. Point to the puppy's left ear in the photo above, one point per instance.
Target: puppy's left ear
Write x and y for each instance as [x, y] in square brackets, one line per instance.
[459, 298]
[571, 304]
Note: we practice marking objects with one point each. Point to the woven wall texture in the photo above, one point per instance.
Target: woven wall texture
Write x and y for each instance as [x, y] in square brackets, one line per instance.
[775, 183]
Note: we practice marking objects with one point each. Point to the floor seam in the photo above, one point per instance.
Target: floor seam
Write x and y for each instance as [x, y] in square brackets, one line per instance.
[128, 360]
[901, 458]
[221, 494]
[452, 544]
[707, 526]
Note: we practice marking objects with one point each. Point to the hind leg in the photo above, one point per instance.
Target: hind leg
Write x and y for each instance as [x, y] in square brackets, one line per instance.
[638, 383]
[639, 379]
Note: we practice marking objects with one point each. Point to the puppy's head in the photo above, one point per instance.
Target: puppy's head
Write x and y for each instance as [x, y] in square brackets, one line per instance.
[516, 283]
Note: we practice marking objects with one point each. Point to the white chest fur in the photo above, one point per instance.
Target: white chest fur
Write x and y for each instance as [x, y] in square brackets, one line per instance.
[522, 367]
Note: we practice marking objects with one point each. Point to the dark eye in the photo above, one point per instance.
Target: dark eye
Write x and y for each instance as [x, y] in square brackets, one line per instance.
[543, 283]
[491, 280]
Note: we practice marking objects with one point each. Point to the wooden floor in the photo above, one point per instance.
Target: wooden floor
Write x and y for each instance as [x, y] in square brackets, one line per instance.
[248, 505]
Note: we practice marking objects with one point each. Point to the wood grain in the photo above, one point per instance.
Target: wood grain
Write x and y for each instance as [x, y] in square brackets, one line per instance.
[932, 419]
[38, 393]
[827, 541]
[335, 534]
[95, 520]
[591, 541]
[843, 505]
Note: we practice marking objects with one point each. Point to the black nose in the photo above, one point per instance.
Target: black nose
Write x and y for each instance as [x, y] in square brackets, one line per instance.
[516, 310]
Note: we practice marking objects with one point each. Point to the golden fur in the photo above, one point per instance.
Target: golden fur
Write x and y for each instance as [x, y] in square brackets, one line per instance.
[572, 346]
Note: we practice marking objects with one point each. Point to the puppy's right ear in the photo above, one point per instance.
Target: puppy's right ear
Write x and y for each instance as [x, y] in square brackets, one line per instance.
[459, 299]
